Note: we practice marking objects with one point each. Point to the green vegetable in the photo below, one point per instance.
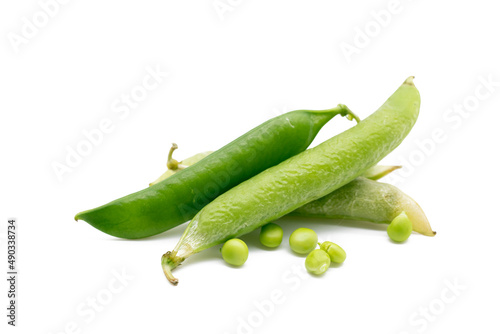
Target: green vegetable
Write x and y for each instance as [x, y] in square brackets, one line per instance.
[400, 228]
[303, 240]
[300, 179]
[317, 262]
[179, 197]
[367, 200]
[235, 252]
[271, 235]
[173, 166]
[336, 253]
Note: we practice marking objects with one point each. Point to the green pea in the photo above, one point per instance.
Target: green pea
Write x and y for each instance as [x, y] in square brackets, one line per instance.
[336, 253]
[317, 262]
[235, 252]
[303, 240]
[400, 228]
[271, 235]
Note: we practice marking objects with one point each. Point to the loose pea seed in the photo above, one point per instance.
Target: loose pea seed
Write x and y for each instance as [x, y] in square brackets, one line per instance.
[271, 235]
[336, 253]
[317, 262]
[235, 252]
[303, 240]
[400, 228]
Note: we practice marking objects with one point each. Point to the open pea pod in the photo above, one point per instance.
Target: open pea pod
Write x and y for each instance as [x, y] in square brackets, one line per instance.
[366, 200]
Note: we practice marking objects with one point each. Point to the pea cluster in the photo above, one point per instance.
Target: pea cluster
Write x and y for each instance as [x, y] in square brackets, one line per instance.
[304, 241]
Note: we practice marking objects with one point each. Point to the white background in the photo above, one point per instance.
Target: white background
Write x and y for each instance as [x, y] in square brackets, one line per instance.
[227, 74]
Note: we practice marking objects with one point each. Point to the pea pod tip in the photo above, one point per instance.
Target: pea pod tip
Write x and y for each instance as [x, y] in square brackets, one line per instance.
[409, 81]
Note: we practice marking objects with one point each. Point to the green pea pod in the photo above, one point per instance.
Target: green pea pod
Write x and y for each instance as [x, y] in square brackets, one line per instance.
[179, 197]
[367, 200]
[301, 179]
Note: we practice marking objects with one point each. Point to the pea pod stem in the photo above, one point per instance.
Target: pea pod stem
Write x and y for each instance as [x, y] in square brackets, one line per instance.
[343, 111]
[173, 164]
[350, 116]
[168, 260]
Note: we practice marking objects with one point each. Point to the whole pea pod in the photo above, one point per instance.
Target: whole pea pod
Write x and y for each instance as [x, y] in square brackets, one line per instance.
[179, 197]
[367, 200]
[301, 179]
